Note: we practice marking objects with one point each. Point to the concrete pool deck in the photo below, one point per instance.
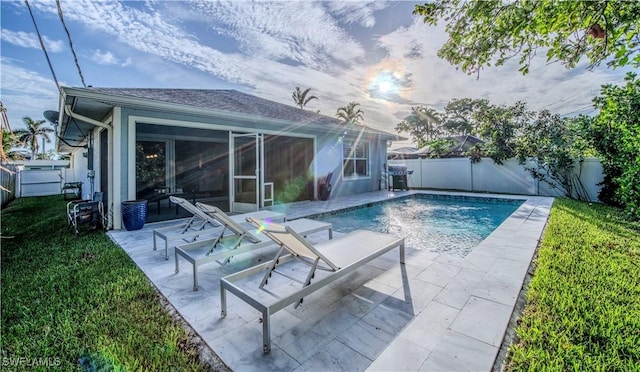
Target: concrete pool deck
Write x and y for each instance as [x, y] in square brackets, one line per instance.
[435, 313]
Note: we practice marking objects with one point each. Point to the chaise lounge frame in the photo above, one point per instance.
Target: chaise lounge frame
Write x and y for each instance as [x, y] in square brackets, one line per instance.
[224, 246]
[341, 256]
[198, 224]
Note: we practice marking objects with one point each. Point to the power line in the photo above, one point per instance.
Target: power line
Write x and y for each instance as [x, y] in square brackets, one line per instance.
[42, 46]
[579, 110]
[75, 57]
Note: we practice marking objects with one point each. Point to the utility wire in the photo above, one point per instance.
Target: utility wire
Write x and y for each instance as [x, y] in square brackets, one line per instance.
[42, 46]
[75, 57]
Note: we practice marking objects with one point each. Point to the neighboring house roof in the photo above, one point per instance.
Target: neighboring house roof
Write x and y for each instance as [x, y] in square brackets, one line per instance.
[98, 102]
[403, 150]
[461, 145]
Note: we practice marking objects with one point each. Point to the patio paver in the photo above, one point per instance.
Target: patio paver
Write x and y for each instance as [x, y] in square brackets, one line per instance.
[437, 312]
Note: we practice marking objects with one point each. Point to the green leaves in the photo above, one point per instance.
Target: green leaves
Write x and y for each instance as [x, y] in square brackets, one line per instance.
[616, 136]
[482, 33]
[301, 97]
[350, 113]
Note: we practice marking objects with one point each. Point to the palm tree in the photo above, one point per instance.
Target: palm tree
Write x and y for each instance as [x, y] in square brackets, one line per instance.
[350, 113]
[300, 97]
[29, 137]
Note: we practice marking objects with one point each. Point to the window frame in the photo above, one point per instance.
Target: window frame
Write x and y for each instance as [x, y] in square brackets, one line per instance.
[354, 159]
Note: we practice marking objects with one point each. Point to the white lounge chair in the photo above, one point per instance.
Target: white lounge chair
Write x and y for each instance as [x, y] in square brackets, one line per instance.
[339, 257]
[199, 224]
[236, 238]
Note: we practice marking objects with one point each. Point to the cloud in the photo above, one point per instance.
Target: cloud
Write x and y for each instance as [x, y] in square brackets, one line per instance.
[107, 58]
[356, 12]
[549, 86]
[30, 40]
[25, 93]
[304, 33]
[269, 48]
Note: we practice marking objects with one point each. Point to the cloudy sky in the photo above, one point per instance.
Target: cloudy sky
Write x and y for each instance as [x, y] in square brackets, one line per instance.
[375, 53]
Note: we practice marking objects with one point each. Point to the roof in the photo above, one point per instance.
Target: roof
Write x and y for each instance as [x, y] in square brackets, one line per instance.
[403, 150]
[98, 102]
[461, 144]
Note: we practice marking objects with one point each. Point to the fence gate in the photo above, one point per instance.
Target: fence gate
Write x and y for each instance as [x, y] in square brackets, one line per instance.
[40, 182]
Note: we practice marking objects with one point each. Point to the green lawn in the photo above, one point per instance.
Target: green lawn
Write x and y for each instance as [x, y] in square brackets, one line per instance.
[79, 303]
[583, 303]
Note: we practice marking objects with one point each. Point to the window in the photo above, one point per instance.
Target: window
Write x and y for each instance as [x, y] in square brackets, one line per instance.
[355, 160]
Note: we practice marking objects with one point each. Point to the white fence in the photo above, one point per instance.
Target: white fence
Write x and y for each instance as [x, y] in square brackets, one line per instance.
[486, 176]
[40, 182]
[8, 182]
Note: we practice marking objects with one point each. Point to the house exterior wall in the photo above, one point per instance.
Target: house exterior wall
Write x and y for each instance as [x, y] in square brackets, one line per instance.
[122, 139]
[329, 159]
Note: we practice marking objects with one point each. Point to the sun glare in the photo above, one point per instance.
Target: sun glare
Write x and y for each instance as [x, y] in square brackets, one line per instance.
[383, 83]
[385, 86]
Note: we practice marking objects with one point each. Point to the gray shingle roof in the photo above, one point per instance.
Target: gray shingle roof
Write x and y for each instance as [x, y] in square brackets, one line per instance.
[230, 101]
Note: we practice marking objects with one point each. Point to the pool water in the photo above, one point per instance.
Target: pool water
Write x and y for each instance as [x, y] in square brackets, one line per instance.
[452, 225]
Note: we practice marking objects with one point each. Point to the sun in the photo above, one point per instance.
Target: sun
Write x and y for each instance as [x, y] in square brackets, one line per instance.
[383, 83]
[385, 86]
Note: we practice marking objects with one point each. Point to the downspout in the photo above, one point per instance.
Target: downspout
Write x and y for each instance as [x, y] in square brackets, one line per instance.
[67, 110]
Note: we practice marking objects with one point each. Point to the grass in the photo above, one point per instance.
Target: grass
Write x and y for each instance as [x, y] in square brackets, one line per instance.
[583, 302]
[79, 303]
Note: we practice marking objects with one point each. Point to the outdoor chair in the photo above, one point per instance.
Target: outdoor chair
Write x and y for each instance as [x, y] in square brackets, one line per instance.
[338, 257]
[86, 212]
[187, 231]
[324, 186]
[235, 238]
[199, 224]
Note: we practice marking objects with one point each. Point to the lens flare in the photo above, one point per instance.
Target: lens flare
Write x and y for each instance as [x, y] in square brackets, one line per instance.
[263, 226]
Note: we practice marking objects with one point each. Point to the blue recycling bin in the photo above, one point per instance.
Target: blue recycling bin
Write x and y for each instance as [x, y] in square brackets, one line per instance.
[134, 214]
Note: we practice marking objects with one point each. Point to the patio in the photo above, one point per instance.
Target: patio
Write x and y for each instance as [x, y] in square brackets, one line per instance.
[437, 312]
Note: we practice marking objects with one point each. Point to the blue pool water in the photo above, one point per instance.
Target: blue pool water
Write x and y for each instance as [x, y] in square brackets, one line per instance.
[453, 225]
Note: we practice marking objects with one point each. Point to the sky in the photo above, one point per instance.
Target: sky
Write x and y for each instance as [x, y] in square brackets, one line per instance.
[376, 53]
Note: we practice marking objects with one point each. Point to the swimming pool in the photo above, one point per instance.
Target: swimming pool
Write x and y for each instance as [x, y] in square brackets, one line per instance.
[446, 224]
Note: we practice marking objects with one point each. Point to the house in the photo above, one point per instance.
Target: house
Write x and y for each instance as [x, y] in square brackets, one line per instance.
[400, 152]
[224, 147]
[458, 146]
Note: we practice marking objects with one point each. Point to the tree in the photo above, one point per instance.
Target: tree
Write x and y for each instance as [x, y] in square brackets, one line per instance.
[424, 124]
[483, 33]
[550, 148]
[8, 141]
[29, 137]
[439, 147]
[499, 127]
[350, 113]
[300, 97]
[460, 115]
[615, 134]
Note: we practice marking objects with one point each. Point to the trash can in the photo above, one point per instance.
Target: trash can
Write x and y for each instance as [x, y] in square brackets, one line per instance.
[134, 214]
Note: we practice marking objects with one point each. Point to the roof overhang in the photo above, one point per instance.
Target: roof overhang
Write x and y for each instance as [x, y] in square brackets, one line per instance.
[82, 109]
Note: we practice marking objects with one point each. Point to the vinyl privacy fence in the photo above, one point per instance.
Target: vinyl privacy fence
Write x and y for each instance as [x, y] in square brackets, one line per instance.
[8, 181]
[486, 176]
